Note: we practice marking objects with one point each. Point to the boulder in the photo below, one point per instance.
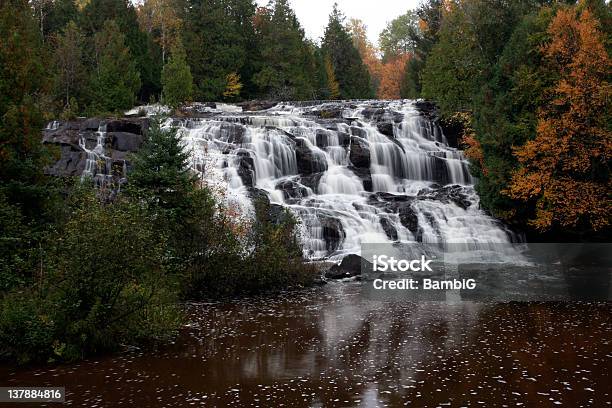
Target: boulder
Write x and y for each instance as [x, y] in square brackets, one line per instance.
[307, 161]
[386, 128]
[360, 152]
[124, 141]
[348, 268]
[232, 133]
[292, 189]
[138, 126]
[389, 229]
[246, 170]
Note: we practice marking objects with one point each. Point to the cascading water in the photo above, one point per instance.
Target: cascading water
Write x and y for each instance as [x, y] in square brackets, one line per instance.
[98, 166]
[377, 172]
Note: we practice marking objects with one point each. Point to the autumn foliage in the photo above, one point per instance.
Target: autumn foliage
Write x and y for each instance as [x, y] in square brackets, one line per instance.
[564, 170]
[392, 74]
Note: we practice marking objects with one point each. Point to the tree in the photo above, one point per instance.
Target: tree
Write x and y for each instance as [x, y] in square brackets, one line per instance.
[332, 83]
[349, 69]
[400, 36]
[159, 18]
[23, 79]
[177, 81]
[288, 64]
[233, 87]
[92, 20]
[392, 75]
[69, 67]
[218, 39]
[564, 171]
[367, 51]
[160, 172]
[116, 79]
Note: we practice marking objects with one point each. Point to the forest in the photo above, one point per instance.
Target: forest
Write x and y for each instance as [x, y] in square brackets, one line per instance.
[527, 82]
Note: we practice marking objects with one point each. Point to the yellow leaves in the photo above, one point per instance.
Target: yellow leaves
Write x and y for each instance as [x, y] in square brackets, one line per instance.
[233, 86]
[561, 168]
[332, 83]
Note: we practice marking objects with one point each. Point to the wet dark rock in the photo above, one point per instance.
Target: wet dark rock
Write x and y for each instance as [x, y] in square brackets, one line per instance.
[311, 180]
[364, 174]
[255, 106]
[123, 141]
[278, 215]
[447, 194]
[333, 233]
[389, 229]
[246, 170]
[71, 162]
[233, 133]
[360, 152]
[307, 161]
[386, 128]
[328, 111]
[258, 196]
[292, 189]
[138, 126]
[348, 268]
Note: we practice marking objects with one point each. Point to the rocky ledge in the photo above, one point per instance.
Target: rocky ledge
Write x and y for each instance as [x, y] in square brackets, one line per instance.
[78, 141]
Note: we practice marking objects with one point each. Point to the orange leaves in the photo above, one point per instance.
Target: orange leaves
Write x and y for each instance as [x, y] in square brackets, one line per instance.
[565, 168]
[391, 78]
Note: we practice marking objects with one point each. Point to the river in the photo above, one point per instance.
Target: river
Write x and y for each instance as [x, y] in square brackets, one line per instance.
[334, 347]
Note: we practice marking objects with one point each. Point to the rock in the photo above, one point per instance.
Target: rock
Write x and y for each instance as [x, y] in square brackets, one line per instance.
[278, 214]
[232, 133]
[311, 181]
[255, 106]
[386, 128]
[124, 141]
[246, 170]
[360, 152]
[408, 218]
[138, 126]
[364, 174]
[307, 161]
[258, 196]
[324, 139]
[292, 189]
[91, 124]
[390, 230]
[349, 267]
[333, 232]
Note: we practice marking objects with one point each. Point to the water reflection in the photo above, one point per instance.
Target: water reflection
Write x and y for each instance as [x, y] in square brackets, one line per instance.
[333, 347]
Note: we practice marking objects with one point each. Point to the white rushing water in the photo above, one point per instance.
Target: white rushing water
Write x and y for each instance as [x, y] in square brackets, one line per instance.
[347, 182]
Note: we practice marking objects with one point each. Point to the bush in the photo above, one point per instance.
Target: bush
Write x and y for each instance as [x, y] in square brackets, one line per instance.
[106, 284]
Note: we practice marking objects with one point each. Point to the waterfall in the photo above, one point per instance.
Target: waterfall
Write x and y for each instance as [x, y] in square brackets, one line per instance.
[377, 172]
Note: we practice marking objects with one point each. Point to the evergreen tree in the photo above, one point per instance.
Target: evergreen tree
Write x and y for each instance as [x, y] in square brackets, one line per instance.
[218, 36]
[287, 61]
[116, 79]
[349, 69]
[69, 67]
[23, 79]
[92, 20]
[160, 171]
[177, 81]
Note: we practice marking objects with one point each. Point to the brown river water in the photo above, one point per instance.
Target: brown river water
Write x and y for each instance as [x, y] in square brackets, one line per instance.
[332, 347]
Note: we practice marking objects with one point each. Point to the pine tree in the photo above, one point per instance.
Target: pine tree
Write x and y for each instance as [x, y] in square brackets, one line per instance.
[23, 79]
[92, 20]
[218, 39]
[177, 81]
[287, 69]
[116, 79]
[349, 69]
[69, 66]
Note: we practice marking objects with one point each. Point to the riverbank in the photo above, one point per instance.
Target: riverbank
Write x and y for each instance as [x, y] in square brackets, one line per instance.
[331, 346]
